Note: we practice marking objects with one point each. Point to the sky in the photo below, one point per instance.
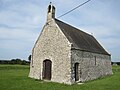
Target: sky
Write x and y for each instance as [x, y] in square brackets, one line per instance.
[21, 22]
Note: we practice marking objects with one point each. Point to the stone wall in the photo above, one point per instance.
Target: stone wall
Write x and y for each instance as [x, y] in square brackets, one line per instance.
[91, 65]
[52, 45]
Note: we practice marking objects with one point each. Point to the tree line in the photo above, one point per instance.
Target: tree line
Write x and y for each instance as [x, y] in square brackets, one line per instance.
[115, 63]
[15, 61]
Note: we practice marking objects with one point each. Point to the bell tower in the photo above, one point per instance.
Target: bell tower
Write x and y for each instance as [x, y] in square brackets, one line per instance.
[51, 12]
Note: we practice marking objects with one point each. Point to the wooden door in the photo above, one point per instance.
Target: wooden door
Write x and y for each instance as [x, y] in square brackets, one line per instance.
[47, 69]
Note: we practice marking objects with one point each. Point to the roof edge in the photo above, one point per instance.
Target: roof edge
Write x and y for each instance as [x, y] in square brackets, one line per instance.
[90, 51]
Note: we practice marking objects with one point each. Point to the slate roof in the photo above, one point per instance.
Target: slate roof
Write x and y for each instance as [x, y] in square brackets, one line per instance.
[80, 39]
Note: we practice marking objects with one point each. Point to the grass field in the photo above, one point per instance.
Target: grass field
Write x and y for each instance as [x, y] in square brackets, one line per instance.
[15, 77]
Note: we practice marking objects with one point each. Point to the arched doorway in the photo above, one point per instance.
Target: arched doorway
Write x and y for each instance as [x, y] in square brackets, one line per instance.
[76, 71]
[47, 64]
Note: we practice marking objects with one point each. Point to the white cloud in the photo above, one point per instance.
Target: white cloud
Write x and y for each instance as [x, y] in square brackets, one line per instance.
[22, 20]
[17, 34]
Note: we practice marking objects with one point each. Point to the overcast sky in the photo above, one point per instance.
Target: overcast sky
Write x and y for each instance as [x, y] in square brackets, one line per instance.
[21, 22]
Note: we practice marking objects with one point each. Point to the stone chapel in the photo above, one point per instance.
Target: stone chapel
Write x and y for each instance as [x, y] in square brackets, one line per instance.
[65, 54]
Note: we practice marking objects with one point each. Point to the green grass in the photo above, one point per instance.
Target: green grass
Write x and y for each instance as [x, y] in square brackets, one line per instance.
[15, 77]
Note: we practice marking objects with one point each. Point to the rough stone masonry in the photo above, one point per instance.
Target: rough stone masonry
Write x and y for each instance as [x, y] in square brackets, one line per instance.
[65, 54]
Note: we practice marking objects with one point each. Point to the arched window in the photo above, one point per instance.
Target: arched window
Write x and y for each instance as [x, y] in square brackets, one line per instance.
[49, 8]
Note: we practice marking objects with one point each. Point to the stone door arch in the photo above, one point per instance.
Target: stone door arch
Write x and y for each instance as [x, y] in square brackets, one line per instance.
[47, 64]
